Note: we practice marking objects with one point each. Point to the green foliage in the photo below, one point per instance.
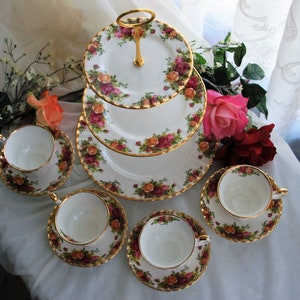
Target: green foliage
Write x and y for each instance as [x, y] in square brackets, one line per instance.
[225, 76]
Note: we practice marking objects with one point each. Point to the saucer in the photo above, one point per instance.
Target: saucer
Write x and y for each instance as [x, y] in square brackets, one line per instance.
[145, 178]
[104, 250]
[31, 185]
[147, 132]
[110, 72]
[234, 229]
[174, 279]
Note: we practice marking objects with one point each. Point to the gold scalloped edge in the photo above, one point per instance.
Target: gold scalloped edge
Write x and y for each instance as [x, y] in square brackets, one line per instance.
[187, 187]
[124, 233]
[172, 212]
[46, 191]
[203, 206]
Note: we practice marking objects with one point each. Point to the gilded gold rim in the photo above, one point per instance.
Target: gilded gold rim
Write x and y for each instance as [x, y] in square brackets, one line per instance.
[181, 263]
[45, 191]
[204, 170]
[167, 98]
[44, 163]
[187, 138]
[228, 170]
[142, 22]
[66, 198]
[120, 246]
[203, 207]
[174, 213]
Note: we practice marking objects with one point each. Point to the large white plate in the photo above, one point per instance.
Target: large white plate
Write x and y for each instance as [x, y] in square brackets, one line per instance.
[147, 132]
[145, 178]
[109, 68]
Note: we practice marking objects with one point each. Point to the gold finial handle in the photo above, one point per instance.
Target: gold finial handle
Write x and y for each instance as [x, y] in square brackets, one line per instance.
[137, 31]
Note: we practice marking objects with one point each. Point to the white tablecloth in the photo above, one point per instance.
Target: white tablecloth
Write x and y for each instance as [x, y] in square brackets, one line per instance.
[265, 269]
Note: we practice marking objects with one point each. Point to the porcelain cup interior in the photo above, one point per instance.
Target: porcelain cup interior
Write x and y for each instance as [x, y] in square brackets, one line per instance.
[246, 191]
[82, 218]
[29, 148]
[166, 241]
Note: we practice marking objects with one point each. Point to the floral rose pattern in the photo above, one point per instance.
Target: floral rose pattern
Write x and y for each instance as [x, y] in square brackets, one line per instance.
[107, 84]
[91, 155]
[157, 142]
[154, 189]
[246, 171]
[31, 185]
[236, 230]
[149, 100]
[118, 145]
[170, 280]
[90, 255]
[112, 186]
[178, 69]
[96, 114]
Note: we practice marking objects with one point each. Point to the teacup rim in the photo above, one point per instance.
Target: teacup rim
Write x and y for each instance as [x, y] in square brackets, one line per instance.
[27, 171]
[244, 217]
[64, 199]
[176, 217]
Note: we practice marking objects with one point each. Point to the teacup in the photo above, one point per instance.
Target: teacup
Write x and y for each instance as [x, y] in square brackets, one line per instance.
[246, 191]
[166, 241]
[81, 217]
[29, 148]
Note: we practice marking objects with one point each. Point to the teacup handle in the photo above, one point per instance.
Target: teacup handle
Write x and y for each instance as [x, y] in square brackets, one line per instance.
[279, 193]
[202, 238]
[2, 139]
[54, 197]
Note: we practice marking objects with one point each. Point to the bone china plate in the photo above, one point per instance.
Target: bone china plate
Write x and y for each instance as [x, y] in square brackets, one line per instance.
[168, 280]
[110, 72]
[30, 185]
[234, 229]
[147, 132]
[145, 178]
[104, 250]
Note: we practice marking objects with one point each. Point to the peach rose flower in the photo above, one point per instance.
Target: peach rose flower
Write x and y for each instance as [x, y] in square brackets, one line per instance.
[48, 111]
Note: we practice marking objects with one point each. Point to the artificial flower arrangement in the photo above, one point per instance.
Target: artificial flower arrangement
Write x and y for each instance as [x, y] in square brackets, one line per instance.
[18, 84]
[229, 97]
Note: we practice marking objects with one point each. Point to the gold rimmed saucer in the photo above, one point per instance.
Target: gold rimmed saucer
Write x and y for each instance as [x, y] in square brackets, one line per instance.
[147, 132]
[175, 279]
[151, 178]
[103, 250]
[110, 72]
[30, 185]
[235, 229]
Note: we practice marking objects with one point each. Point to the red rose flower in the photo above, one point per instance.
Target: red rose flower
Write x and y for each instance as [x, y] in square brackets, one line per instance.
[252, 147]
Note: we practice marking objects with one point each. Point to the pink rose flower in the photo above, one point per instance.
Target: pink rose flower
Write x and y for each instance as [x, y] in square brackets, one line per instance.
[225, 115]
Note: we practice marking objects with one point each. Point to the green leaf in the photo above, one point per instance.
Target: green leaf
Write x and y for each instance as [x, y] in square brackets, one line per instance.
[239, 54]
[221, 76]
[199, 59]
[219, 56]
[254, 72]
[256, 95]
[232, 72]
[262, 106]
[227, 38]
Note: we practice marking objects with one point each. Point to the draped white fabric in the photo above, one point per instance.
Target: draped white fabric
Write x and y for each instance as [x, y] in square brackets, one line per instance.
[270, 30]
[266, 269]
